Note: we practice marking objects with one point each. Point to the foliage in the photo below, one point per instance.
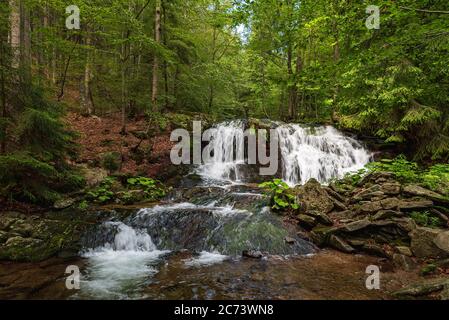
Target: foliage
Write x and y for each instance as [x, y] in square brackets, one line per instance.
[111, 161]
[154, 189]
[404, 170]
[280, 195]
[426, 219]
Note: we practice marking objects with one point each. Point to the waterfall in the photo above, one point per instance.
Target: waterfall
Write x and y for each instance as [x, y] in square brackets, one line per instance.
[322, 153]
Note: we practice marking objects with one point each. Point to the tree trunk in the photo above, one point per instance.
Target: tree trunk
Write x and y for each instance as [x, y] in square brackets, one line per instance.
[157, 38]
[14, 37]
[292, 89]
[25, 46]
[3, 65]
[86, 94]
[336, 60]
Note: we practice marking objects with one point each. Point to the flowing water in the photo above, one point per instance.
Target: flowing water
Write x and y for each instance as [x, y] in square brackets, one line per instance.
[215, 220]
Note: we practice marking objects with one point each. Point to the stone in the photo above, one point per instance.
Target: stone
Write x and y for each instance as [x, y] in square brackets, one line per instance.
[3, 237]
[371, 207]
[423, 243]
[339, 244]
[334, 194]
[415, 204]
[404, 262]
[390, 203]
[386, 214]
[64, 204]
[313, 197]
[419, 191]
[94, 176]
[442, 241]
[252, 254]
[356, 226]
[376, 250]
[290, 240]
[339, 205]
[321, 218]
[406, 251]
[391, 189]
[307, 221]
[423, 288]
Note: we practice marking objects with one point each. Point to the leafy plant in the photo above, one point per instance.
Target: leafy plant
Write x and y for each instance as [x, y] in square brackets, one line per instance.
[426, 219]
[153, 188]
[404, 170]
[280, 194]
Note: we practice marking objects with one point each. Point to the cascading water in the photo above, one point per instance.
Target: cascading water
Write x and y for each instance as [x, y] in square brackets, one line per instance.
[213, 221]
[322, 153]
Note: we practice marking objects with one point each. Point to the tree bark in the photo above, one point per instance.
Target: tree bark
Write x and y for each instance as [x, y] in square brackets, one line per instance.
[87, 104]
[14, 37]
[157, 38]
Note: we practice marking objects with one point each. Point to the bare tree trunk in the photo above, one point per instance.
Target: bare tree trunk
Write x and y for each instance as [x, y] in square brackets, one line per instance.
[3, 64]
[336, 60]
[86, 96]
[214, 54]
[14, 37]
[25, 45]
[157, 38]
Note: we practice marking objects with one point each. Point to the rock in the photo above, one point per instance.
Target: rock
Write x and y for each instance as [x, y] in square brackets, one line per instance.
[339, 244]
[321, 218]
[94, 176]
[64, 203]
[442, 263]
[366, 192]
[252, 254]
[419, 191]
[290, 240]
[334, 194]
[356, 226]
[391, 189]
[406, 251]
[371, 207]
[423, 243]
[376, 250]
[3, 237]
[423, 288]
[386, 214]
[390, 203]
[313, 197]
[442, 241]
[306, 221]
[404, 262]
[415, 204]
[428, 270]
[339, 205]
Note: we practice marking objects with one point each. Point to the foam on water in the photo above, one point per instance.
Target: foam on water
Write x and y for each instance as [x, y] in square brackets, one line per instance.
[206, 259]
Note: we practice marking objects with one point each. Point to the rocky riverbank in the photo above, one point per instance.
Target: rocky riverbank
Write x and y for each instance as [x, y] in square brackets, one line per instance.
[402, 223]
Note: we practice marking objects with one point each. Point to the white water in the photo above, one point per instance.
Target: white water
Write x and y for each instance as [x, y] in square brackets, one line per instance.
[322, 153]
[115, 270]
[206, 259]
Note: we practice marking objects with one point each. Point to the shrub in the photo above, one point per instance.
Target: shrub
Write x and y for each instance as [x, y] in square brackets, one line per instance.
[112, 161]
[280, 195]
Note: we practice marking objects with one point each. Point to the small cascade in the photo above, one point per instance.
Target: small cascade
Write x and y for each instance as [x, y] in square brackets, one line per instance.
[322, 153]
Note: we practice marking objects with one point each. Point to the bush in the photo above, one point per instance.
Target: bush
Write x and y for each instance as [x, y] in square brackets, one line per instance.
[280, 195]
[404, 170]
[112, 161]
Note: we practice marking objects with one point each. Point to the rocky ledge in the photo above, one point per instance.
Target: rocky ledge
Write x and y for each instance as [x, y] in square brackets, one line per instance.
[404, 223]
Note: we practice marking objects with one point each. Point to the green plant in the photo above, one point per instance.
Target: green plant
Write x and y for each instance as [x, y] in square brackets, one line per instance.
[355, 178]
[426, 219]
[280, 195]
[404, 170]
[153, 188]
[111, 161]
[103, 193]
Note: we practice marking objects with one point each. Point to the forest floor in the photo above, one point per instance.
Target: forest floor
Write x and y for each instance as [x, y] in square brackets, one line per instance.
[100, 136]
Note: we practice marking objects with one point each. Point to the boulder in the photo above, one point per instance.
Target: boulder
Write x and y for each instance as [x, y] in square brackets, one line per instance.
[321, 218]
[442, 241]
[386, 214]
[404, 262]
[423, 288]
[415, 204]
[390, 203]
[313, 197]
[356, 226]
[415, 190]
[424, 245]
[307, 221]
[406, 251]
[371, 207]
[339, 244]
[64, 204]
[391, 188]
[252, 254]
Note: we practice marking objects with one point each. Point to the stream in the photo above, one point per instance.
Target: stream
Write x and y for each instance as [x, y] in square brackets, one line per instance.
[190, 246]
[212, 220]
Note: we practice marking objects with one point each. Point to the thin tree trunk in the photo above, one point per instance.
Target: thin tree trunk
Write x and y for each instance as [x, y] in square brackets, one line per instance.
[14, 37]
[86, 98]
[3, 64]
[157, 38]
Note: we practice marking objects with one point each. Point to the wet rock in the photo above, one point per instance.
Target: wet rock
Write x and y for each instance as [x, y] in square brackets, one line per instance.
[252, 254]
[313, 197]
[404, 262]
[406, 251]
[376, 250]
[339, 205]
[339, 244]
[307, 221]
[423, 243]
[334, 194]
